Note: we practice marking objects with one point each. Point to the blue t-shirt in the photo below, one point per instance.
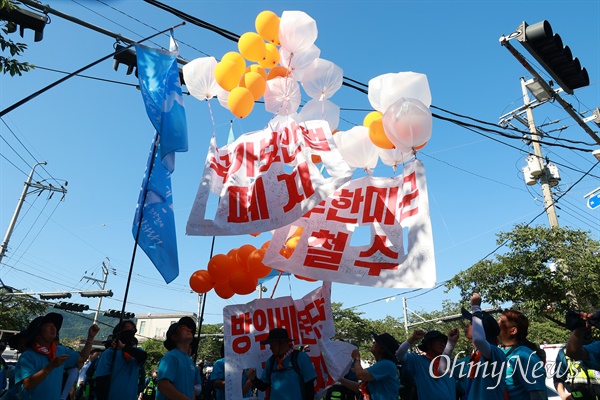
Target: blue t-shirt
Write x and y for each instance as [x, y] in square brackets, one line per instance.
[428, 387]
[177, 367]
[285, 383]
[483, 379]
[218, 373]
[124, 378]
[593, 350]
[50, 388]
[386, 384]
[525, 373]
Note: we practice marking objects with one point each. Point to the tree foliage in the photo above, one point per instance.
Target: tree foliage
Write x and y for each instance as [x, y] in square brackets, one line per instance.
[10, 64]
[17, 311]
[209, 349]
[544, 269]
[155, 350]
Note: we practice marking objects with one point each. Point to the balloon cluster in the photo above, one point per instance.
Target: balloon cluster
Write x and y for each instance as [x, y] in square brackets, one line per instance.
[400, 125]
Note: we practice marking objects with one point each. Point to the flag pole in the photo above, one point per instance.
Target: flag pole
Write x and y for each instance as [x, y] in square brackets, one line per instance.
[72, 74]
[201, 317]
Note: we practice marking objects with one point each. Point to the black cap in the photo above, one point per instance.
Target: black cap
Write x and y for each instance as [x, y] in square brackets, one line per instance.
[277, 335]
[490, 325]
[185, 321]
[35, 325]
[387, 342]
[429, 337]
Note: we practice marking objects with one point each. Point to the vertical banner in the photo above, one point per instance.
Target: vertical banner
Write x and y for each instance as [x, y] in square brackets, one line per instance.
[267, 179]
[398, 252]
[308, 321]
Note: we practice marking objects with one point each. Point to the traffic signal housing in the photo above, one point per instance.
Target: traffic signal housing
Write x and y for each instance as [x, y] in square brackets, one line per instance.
[63, 305]
[117, 314]
[54, 295]
[25, 19]
[547, 48]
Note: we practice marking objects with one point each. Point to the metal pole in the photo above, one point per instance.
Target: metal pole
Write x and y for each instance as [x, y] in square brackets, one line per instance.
[537, 149]
[105, 269]
[13, 221]
[405, 315]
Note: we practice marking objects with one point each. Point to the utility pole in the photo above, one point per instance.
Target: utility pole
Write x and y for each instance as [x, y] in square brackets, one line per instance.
[38, 188]
[537, 149]
[405, 315]
[105, 270]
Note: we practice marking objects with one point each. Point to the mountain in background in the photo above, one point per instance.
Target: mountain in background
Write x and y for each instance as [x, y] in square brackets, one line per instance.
[76, 325]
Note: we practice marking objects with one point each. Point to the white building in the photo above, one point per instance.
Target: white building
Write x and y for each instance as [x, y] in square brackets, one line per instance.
[155, 326]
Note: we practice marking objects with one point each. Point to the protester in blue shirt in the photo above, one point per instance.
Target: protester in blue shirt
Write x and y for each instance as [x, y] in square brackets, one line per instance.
[176, 370]
[120, 381]
[576, 347]
[379, 381]
[424, 368]
[525, 371]
[285, 378]
[40, 368]
[217, 376]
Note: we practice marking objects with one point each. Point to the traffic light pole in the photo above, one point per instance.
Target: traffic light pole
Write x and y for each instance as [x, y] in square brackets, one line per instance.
[105, 270]
[537, 149]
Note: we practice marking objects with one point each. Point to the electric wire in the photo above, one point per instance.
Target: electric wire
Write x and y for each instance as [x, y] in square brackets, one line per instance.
[11, 163]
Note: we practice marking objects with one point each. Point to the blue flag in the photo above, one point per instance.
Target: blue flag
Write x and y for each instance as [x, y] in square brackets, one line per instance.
[161, 91]
[157, 233]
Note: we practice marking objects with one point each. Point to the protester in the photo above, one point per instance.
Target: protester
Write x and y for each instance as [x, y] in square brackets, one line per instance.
[217, 377]
[576, 348]
[480, 374]
[120, 381]
[288, 374]
[379, 381]
[150, 386]
[573, 379]
[176, 370]
[84, 380]
[424, 369]
[525, 372]
[40, 368]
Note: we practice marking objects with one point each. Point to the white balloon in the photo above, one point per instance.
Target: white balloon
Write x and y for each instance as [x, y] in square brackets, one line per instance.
[322, 79]
[356, 147]
[395, 156]
[297, 63]
[222, 95]
[199, 77]
[321, 110]
[386, 89]
[297, 31]
[282, 96]
[407, 123]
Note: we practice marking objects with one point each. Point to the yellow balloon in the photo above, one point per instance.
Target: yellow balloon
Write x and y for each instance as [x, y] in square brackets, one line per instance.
[378, 136]
[277, 71]
[267, 26]
[372, 116]
[257, 68]
[255, 83]
[226, 74]
[271, 56]
[252, 46]
[240, 102]
[237, 59]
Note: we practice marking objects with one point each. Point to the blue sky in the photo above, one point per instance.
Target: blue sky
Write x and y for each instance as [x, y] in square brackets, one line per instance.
[95, 134]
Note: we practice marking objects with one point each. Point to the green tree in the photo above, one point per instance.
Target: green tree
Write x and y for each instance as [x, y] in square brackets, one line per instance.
[17, 311]
[209, 349]
[544, 269]
[10, 64]
[155, 350]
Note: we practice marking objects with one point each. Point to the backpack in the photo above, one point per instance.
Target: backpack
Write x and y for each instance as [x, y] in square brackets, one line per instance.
[149, 392]
[295, 366]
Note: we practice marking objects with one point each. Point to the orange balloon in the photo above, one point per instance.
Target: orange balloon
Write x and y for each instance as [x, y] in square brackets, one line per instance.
[227, 74]
[201, 281]
[420, 147]
[233, 260]
[335, 131]
[298, 232]
[256, 268]
[255, 83]
[265, 245]
[240, 102]
[257, 68]
[378, 136]
[277, 71]
[290, 245]
[271, 56]
[267, 26]
[243, 253]
[237, 59]
[252, 46]
[305, 278]
[315, 159]
[370, 117]
[219, 268]
[242, 283]
[223, 290]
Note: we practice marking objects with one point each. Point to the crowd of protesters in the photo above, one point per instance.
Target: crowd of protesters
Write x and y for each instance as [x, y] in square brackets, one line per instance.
[503, 365]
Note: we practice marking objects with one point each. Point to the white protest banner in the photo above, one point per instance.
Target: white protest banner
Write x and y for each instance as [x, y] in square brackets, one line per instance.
[308, 321]
[267, 179]
[397, 212]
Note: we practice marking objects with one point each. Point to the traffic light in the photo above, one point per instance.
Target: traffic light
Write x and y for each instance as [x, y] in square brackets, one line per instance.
[96, 293]
[26, 20]
[63, 305]
[556, 59]
[117, 314]
[55, 295]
